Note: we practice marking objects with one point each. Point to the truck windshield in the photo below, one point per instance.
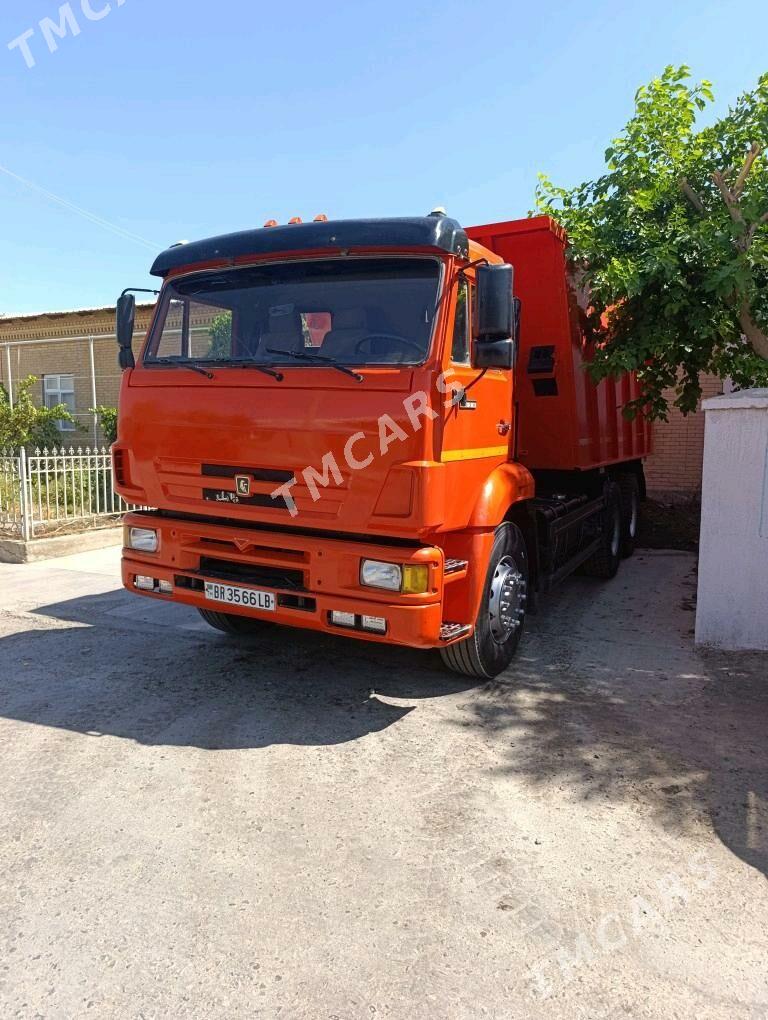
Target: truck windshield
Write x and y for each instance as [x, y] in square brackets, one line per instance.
[351, 311]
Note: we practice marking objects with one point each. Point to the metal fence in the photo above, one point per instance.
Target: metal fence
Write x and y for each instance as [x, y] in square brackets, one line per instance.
[50, 492]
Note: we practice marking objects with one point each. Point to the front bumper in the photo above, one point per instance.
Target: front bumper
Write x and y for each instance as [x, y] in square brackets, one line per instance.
[309, 575]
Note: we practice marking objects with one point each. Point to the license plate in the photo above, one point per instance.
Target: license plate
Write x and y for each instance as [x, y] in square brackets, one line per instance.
[233, 595]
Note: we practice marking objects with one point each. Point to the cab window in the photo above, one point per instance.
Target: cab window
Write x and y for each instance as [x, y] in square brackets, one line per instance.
[460, 345]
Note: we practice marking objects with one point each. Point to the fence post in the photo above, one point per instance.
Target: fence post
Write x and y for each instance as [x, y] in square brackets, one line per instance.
[27, 528]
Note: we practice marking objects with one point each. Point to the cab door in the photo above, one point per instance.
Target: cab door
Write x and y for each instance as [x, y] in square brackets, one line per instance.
[478, 426]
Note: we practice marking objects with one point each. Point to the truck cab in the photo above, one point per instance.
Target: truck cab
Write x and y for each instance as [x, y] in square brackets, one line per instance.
[324, 422]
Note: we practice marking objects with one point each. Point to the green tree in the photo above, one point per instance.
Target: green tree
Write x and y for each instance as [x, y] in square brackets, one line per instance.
[25, 424]
[108, 420]
[671, 243]
[220, 331]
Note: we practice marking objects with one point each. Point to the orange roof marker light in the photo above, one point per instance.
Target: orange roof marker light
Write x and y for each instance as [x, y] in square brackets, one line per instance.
[321, 218]
[271, 223]
[295, 219]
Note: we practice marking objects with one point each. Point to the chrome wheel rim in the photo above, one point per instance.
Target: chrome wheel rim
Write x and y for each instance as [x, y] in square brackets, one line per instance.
[506, 605]
[616, 534]
[633, 518]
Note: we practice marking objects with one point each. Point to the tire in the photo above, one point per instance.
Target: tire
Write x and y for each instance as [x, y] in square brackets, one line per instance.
[240, 626]
[494, 642]
[629, 487]
[605, 562]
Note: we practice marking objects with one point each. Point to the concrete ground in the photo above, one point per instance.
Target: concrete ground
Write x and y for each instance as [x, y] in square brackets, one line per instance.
[312, 827]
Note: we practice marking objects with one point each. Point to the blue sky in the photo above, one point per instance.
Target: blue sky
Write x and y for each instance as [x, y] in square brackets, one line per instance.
[182, 118]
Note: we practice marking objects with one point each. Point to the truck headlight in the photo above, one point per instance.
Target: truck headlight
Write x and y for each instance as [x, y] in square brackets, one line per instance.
[375, 574]
[411, 579]
[142, 539]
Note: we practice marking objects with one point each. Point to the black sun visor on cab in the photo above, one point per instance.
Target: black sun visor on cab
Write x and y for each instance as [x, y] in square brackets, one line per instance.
[440, 233]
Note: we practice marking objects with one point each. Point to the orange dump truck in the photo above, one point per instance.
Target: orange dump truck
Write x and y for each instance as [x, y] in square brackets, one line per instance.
[378, 428]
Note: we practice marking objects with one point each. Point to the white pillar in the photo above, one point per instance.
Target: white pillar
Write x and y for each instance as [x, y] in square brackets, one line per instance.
[732, 607]
[9, 373]
[94, 398]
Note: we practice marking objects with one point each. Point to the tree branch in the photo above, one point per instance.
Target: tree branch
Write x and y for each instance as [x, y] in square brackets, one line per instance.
[756, 337]
[754, 152]
[753, 230]
[728, 197]
[692, 196]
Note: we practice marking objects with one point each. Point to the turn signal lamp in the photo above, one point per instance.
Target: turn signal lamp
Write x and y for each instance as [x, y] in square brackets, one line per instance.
[415, 579]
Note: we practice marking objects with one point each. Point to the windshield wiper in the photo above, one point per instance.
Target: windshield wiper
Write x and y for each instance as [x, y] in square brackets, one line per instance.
[266, 369]
[319, 358]
[191, 365]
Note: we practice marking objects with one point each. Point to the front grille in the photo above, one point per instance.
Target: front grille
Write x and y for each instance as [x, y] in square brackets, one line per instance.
[258, 474]
[252, 573]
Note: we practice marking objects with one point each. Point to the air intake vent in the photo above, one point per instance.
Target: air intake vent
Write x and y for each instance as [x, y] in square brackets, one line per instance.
[119, 462]
[256, 574]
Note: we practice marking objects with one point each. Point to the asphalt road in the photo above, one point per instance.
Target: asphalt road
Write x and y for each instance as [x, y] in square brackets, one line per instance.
[305, 826]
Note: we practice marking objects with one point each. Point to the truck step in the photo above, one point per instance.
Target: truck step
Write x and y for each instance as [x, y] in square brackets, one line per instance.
[454, 566]
[449, 631]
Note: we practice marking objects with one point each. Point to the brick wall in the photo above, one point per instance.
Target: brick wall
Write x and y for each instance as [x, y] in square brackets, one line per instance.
[58, 344]
[673, 471]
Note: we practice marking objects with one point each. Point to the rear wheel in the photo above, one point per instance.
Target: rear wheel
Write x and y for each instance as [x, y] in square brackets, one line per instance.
[231, 624]
[629, 487]
[499, 625]
[605, 562]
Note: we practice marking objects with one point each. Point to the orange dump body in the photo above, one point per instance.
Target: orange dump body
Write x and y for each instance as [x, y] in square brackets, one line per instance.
[564, 421]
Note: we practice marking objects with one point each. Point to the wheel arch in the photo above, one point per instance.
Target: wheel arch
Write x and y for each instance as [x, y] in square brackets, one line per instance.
[506, 496]
[506, 486]
[520, 514]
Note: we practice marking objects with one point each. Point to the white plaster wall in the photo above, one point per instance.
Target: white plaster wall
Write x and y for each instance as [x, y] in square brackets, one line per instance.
[732, 608]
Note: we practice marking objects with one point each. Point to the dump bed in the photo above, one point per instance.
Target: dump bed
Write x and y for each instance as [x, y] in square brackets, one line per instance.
[564, 421]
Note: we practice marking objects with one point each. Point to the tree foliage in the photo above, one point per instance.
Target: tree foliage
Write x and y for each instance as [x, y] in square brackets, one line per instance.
[672, 242]
[25, 424]
[220, 331]
[108, 420]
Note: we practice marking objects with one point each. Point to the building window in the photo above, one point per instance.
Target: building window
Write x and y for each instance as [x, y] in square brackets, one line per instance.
[60, 389]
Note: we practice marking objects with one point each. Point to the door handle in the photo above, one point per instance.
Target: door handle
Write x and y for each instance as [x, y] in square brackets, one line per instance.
[461, 402]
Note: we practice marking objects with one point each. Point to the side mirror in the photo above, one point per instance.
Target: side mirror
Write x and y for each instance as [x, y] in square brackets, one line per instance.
[495, 320]
[126, 315]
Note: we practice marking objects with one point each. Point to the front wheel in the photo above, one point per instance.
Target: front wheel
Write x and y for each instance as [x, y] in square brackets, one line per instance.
[499, 625]
[229, 623]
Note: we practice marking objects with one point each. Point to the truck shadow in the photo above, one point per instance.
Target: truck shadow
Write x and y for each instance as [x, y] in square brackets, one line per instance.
[116, 673]
[595, 710]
